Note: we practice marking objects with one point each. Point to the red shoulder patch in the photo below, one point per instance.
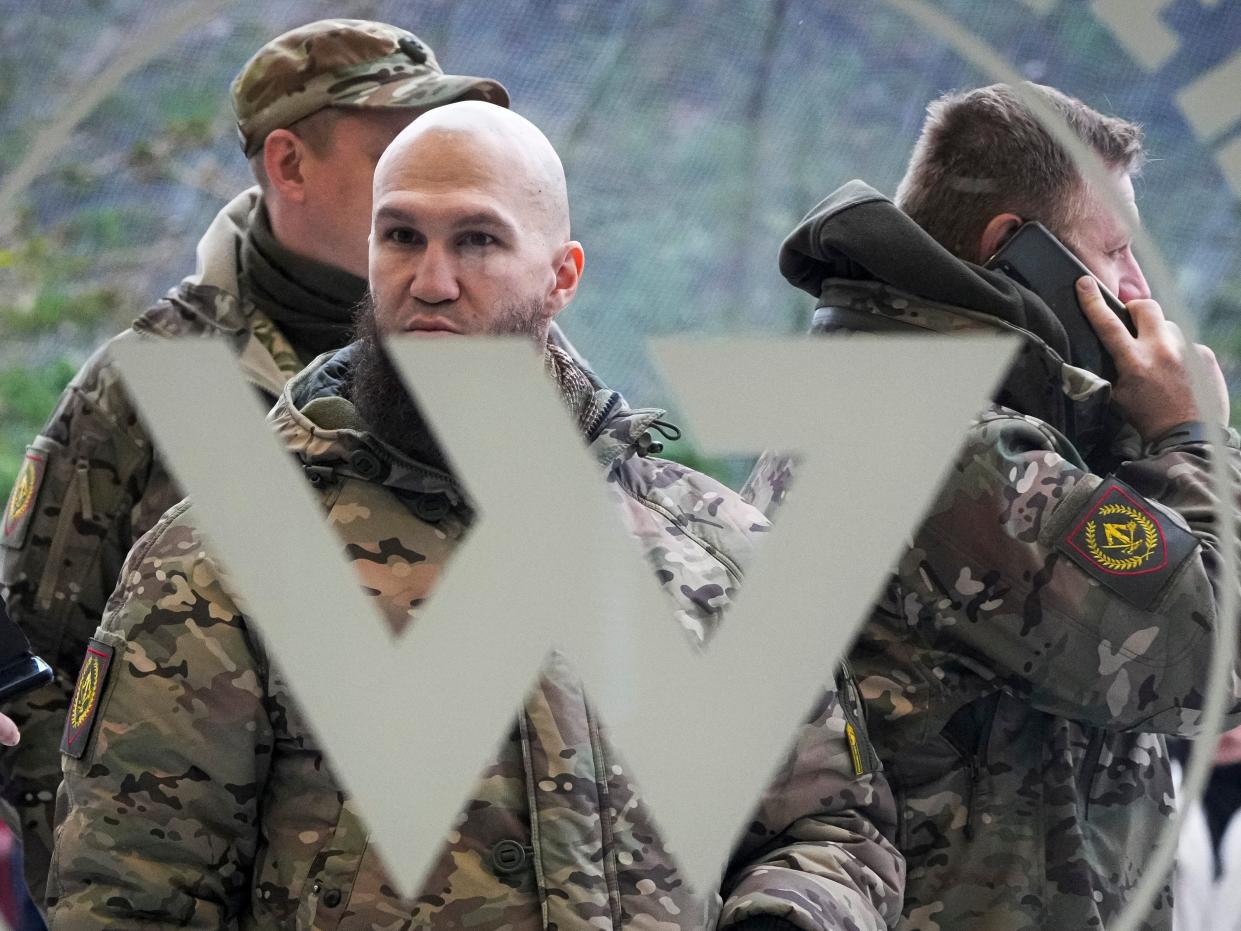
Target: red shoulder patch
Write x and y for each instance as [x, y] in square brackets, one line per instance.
[22, 499]
[1128, 545]
[81, 716]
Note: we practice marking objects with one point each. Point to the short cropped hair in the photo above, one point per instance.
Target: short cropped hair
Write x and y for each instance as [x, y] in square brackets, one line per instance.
[314, 130]
[984, 152]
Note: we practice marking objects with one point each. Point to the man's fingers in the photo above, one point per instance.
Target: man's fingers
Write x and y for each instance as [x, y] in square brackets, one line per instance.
[1147, 317]
[1109, 327]
[8, 731]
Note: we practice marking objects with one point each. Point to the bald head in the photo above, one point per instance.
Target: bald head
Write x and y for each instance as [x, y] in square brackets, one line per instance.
[470, 230]
[476, 143]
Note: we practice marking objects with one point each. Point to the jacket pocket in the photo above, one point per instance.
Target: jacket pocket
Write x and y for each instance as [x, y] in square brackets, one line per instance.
[328, 887]
[968, 732]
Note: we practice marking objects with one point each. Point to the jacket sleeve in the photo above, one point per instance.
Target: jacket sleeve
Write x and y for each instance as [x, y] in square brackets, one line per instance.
[1011, 574]
[818, 855]
[95, 492]
[160, 810]
[88, 489]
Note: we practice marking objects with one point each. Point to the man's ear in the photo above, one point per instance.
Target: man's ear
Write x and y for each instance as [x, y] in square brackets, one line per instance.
[996, 233]
[283, 153]
[570, 261]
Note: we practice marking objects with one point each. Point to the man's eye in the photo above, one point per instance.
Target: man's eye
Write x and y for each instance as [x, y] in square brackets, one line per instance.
[402, 235]
[477, 240]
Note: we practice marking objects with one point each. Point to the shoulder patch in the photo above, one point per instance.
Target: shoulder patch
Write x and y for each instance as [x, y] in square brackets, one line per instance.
[1127, 544]
[22, 499]
[81, 716]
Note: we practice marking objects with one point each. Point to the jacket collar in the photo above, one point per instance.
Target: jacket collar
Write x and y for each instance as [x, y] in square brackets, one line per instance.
[873, 269]
[319, 424]
[212, 298]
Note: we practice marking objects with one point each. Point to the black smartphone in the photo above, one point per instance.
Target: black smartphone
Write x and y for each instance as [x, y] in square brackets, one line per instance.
[20, 670]
[1037, 260]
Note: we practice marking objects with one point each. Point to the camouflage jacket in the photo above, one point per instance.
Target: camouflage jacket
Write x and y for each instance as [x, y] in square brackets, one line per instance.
[203, 799]
[90, 486]
[1044, 632]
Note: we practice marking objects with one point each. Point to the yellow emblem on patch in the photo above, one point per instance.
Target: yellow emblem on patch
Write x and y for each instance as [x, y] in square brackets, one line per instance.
[1121, 538]
[84, 696]
[23, 493]
[21, 507]
[1123, 541]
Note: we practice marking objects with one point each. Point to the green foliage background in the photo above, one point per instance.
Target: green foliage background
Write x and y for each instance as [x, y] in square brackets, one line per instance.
[695, 133]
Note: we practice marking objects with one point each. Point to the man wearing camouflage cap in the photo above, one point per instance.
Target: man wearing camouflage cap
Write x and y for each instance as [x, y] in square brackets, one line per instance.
[197, 793]
[279, 272]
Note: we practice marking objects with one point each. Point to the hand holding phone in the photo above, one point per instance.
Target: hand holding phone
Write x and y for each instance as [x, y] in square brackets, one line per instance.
[1037, 260]
[1154, 389]
[8, 731]
[20, 670]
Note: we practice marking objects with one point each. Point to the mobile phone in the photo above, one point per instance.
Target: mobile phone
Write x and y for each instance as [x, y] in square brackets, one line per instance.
[20, 670]
[1037, 260]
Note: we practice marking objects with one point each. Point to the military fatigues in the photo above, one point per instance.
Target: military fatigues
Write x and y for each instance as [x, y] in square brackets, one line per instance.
[202, 797]
[1042, 634]
[90, 486]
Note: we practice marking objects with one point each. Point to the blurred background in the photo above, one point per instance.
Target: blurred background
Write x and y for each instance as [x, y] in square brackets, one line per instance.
[695, 133]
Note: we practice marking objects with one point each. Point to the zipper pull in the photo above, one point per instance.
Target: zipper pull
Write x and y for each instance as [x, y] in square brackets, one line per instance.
[969, 799]
[648, 447]
[670, 431]
[855, 751]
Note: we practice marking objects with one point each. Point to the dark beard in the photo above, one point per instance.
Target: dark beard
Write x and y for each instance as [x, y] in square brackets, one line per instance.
[380, 398]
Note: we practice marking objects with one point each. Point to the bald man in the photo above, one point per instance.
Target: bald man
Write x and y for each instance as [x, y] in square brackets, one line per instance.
[197, 794]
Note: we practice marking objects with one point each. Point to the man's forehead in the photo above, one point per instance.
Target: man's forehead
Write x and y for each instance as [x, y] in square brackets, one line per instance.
[447, 204]
[378, 120]
[438, 162]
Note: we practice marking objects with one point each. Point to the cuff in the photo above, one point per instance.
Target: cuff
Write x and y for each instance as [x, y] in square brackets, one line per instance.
[1190, 432]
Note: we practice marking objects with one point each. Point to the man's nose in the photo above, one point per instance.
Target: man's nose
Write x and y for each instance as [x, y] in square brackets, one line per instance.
[435, 277]
[1132, 284]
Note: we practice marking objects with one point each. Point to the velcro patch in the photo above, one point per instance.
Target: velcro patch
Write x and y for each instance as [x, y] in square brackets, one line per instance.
[1127, 544]
[22, 499]
[81, 717]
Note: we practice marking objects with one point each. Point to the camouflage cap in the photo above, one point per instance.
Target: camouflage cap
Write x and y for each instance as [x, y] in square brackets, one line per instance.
[351, 63]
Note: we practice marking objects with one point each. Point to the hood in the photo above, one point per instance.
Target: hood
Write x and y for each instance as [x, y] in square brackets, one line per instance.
[210, 301]
[316, 420]
[211, 293]
[866, 261]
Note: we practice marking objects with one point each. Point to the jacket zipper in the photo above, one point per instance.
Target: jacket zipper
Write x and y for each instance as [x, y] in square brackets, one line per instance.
[450, 483]
[973, 770]
[1090, 763]
[975, 756]
[532, 802]
[596, 423]
[854, 728]
[607, 836]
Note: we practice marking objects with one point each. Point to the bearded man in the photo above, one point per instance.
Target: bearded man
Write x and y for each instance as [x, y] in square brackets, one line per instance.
[198, 794]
